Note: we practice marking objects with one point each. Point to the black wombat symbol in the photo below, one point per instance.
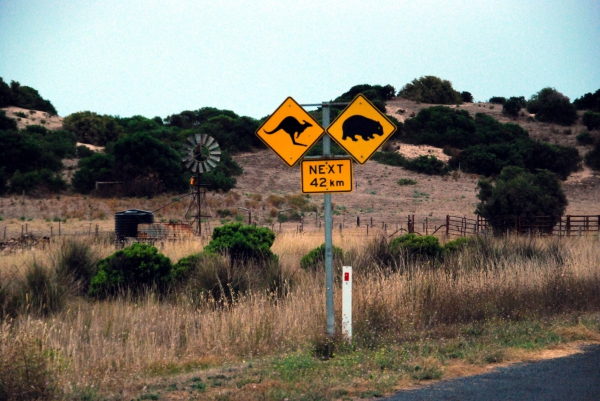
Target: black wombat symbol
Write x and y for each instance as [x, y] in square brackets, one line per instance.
[292, 127]
[362, 126]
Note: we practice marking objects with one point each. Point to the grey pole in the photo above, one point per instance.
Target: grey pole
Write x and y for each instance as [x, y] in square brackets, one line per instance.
[328, 236]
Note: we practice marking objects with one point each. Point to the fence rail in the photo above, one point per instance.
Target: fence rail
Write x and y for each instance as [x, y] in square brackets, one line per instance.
[567, 226]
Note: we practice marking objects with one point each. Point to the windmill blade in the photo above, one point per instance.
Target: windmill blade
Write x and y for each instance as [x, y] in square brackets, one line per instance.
[198, 139]
[204, 136]
[212, 146]
[209, 141]
[215, 159]
[189, 163]
[191, 140]
[211, 163]
[215, 152]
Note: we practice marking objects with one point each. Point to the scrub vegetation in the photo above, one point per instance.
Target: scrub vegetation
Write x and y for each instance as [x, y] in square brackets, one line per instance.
[423, 310]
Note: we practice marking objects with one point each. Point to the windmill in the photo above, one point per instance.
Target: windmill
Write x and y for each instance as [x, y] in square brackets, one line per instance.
[202, 154]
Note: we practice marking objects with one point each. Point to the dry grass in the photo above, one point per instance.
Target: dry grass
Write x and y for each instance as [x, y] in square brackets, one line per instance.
[115, 345]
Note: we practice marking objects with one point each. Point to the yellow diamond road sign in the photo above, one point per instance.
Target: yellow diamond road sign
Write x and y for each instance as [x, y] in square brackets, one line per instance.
[361, 129]
[326, 175]
[290, 132]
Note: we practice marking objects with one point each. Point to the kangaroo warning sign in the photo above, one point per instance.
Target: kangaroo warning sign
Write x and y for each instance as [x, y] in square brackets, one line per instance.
[361, 129]
[326, 175]
[290, 132]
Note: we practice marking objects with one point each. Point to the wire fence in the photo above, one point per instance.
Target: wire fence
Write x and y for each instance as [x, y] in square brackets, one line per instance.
[451, 226]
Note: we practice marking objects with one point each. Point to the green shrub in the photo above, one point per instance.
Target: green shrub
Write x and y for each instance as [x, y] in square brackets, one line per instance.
[466, 97]
[497, 100]
[512, 107]
[592, 158]
[242, 243]
[430, 164]
[413, 245]
[84, 151]
[31, 181]
[430, 89]
[585, 138]
[315, 259]
[457, 244]
[134, 269]
[406, 181]
[551, 106]
[588, 101]
[7, 123]
[591, 120]
[518, 193]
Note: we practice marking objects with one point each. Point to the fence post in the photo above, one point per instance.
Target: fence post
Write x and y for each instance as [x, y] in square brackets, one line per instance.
[357, 221]
[568, 225]
[447, 225]
[579, 231]
[51, 231]
[59, 228]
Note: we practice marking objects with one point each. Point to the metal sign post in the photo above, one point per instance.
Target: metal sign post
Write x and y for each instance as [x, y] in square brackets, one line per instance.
[328, 235]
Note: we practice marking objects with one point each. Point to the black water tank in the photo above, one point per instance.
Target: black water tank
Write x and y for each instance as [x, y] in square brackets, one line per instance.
[126, 222]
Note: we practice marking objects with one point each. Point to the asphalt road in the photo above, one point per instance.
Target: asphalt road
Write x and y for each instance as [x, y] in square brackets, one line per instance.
[575, 377]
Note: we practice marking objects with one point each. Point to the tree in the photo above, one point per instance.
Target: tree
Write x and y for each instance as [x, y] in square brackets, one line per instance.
[92, 128]
[549, 105]
[147, 166]
[591, 120]
[430, 89]
[588, 102]
[512, 107]
[23, 96]
[592, 158]
[7, 123]
[97, 167]
[466, 97]
[521, 194]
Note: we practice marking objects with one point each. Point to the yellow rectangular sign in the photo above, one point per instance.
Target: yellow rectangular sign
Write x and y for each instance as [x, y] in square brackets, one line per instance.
[327, 175]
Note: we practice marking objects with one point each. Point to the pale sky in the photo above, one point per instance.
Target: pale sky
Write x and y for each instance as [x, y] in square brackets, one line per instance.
[155, 58]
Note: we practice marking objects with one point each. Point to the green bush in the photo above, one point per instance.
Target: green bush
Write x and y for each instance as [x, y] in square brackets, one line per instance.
[7, 123]
[24, 97]
[466, 97]
[134, 269]
[406, 181]
[42, 291]
[518, 193]
[585, 138]
[551, 106]
[591, 120]
[430, 89]
[430, 164]
[315, 259]
[84, 151]
[588, 101]
[512, 107]
[497, 100]
[457, 244]
[92, 128]
[242, 243]
[44, 180]
[413, 245]
[592, 158]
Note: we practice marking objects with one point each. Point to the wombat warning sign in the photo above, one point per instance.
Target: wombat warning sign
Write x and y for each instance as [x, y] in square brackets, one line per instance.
[361, 129]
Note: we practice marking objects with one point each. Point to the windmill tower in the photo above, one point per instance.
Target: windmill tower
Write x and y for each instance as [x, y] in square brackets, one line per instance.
[202, 154]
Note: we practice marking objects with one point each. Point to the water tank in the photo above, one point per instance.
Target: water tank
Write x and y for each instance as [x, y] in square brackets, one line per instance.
[126, 222]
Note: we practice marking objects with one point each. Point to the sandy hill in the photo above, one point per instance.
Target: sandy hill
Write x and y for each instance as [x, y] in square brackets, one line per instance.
[25, 117]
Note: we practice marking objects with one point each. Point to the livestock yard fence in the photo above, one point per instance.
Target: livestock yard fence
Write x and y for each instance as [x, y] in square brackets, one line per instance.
[361, 225]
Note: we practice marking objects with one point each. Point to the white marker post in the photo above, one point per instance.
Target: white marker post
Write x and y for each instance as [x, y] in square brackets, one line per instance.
[347, 302]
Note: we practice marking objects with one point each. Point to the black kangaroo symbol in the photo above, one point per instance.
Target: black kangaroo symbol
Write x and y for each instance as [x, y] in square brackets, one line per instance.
[292, 127]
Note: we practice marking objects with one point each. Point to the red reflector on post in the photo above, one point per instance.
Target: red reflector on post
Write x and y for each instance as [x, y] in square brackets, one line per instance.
[346, 276]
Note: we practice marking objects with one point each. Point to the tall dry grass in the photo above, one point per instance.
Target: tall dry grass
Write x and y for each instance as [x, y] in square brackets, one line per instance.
[113, 343]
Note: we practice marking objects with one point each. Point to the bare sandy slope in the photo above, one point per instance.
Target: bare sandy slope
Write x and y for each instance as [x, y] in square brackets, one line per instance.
[33, 117]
